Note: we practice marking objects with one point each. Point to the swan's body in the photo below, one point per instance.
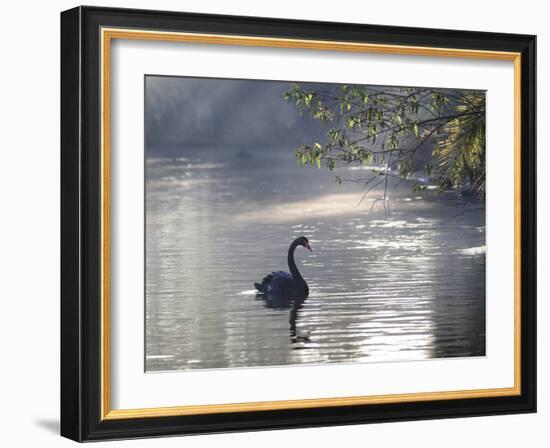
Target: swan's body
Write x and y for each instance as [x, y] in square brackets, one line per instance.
[281, 286]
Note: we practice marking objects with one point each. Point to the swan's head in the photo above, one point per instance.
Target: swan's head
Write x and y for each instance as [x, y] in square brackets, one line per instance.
[303, 241]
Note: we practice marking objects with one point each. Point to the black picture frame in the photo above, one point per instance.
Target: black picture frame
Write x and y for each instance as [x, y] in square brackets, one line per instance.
[81, 381]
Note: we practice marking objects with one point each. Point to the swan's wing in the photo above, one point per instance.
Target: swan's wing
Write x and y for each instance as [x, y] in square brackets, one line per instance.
[281, 275]
[264, 285]
[281, 282]
[276, 280]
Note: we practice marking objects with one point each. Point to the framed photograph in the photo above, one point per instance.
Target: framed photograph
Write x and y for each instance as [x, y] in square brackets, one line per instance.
[275, 224]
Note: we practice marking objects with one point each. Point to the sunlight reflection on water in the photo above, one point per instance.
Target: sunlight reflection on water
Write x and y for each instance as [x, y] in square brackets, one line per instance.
[409, 286]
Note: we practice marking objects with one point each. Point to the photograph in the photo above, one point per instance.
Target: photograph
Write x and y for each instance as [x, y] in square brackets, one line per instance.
[291, 223]
[274, 222]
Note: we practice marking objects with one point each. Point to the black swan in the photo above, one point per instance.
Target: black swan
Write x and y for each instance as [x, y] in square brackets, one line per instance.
[282, 286]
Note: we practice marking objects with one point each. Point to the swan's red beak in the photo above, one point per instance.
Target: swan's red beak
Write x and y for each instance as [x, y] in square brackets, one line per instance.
[308, 247]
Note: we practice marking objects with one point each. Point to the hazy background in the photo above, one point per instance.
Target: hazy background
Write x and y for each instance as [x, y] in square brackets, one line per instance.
[223, 114]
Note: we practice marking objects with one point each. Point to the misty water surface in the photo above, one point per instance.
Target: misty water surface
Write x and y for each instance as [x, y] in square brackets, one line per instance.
[405, 286]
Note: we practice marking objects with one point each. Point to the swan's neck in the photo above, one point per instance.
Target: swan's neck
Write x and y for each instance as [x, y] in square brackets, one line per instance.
[299, 281]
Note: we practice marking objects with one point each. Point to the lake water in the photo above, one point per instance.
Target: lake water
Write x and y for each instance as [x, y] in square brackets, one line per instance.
[405, 285]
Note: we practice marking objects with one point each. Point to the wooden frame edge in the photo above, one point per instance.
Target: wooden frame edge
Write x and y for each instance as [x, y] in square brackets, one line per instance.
[107, 34]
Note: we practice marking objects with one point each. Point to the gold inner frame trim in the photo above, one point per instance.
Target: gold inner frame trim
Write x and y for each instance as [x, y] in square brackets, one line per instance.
[107, 35]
